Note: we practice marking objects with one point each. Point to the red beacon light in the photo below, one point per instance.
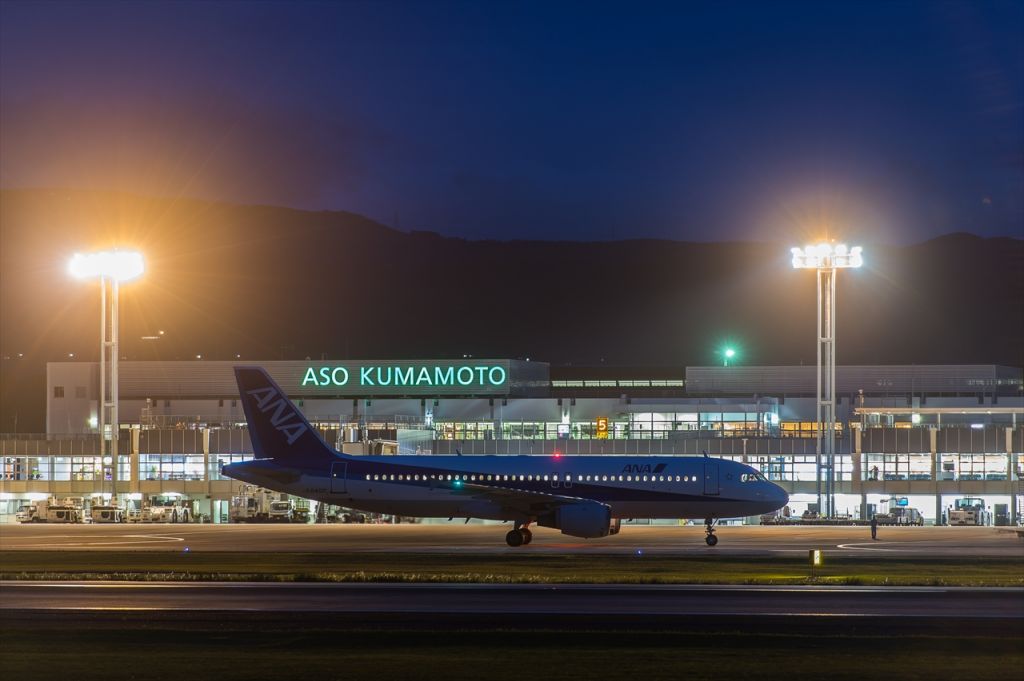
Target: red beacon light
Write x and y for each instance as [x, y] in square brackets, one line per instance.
[557, 454]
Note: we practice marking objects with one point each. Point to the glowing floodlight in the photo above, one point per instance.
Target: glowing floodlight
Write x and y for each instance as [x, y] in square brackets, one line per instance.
[825, 256]
[116, 265]
[826, 259]
[111, 268]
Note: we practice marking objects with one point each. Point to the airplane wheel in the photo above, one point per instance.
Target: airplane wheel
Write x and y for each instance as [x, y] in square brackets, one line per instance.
[711, 539]
[514, 538]
[527, 536]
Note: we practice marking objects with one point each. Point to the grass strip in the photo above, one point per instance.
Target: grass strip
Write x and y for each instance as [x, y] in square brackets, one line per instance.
[227, 651]
[503, 569]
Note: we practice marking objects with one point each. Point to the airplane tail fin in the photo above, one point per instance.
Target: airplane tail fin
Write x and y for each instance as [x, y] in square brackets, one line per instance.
[277, 428]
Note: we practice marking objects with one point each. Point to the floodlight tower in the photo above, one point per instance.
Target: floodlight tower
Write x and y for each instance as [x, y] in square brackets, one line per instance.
[826, 259]
[110, 267]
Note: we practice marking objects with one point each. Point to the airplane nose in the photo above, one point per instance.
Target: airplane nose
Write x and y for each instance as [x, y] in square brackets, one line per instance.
[781, 496]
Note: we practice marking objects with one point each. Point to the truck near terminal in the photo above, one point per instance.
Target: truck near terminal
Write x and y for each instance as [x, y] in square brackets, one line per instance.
[900, 515]
[969, 511]
[166, 511]
[105, 513]
[51, 511]
[259, 505]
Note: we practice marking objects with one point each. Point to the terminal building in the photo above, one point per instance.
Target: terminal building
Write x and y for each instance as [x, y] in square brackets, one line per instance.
[919, 436]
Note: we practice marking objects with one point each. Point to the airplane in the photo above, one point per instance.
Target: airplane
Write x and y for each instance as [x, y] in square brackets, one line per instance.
[583, 496]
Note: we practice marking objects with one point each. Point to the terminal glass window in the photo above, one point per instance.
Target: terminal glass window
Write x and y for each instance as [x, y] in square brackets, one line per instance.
[61, 468]
[86, 468]
[973, 467]
[526, 430]
[218, 460]
[25, 468]
[732, 424]
[897, 467]
[805, 468]
[772, 467]
[637, 426]
[171, 466]
[844, 467]
[75, 468]
[464, 430]
[800, 468]
[124, 465]
[806, 429]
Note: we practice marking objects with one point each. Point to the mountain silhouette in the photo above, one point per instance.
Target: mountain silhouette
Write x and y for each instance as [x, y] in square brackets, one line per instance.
[266, 283]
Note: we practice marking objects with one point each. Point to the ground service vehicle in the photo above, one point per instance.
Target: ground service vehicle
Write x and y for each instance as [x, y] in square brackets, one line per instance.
[259, 505]
[583, 496]
[280, 512]
[108, 514]
[164, 513]
[51, 511]
[969, 511]
[900, 515]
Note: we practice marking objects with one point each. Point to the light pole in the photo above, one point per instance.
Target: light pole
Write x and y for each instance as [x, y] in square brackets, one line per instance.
[826, 259]
[111, 267]
[727, 354]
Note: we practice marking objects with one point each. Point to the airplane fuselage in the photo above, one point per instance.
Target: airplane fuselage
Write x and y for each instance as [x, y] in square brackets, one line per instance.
[445, 486]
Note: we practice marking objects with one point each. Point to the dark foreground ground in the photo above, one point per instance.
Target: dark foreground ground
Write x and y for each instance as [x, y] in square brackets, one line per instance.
[210, 645]
[601, 639]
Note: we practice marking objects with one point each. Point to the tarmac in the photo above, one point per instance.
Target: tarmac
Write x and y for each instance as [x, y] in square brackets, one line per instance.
[459, 538]
[500, 600]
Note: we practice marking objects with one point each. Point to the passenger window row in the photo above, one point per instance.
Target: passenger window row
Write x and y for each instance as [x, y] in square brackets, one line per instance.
[531, 478]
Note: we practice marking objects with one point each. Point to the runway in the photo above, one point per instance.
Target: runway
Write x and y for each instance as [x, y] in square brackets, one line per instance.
[457, 538]
[662, 600]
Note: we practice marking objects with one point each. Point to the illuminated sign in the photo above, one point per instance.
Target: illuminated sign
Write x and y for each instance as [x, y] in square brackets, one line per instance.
[602, 427]
[484, 377]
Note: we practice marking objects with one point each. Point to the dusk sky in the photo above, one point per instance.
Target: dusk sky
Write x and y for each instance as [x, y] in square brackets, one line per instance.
[892, 121]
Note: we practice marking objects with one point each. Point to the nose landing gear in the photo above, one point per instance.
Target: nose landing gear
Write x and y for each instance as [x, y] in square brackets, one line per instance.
[709, 530]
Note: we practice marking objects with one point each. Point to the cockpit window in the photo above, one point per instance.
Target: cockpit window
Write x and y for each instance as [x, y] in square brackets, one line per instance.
[753, 477]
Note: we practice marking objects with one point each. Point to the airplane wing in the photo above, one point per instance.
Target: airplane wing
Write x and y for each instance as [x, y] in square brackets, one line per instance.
[522, 501]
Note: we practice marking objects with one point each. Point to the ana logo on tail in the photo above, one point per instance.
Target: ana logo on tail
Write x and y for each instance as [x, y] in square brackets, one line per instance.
[284, 417]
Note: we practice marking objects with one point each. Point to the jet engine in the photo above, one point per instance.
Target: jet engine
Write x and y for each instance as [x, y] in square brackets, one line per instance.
[586, 519]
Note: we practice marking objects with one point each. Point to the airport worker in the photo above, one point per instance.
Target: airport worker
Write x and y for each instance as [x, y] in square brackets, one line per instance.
[874, 527]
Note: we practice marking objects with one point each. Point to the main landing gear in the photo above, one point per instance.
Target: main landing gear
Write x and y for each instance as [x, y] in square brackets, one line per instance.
[520, 536]
[709, 530]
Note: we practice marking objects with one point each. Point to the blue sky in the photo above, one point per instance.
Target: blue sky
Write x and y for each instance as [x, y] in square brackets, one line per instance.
[891, 121]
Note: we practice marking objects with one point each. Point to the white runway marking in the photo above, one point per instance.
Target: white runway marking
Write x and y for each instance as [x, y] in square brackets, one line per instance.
[133, 539]
[875, 547]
